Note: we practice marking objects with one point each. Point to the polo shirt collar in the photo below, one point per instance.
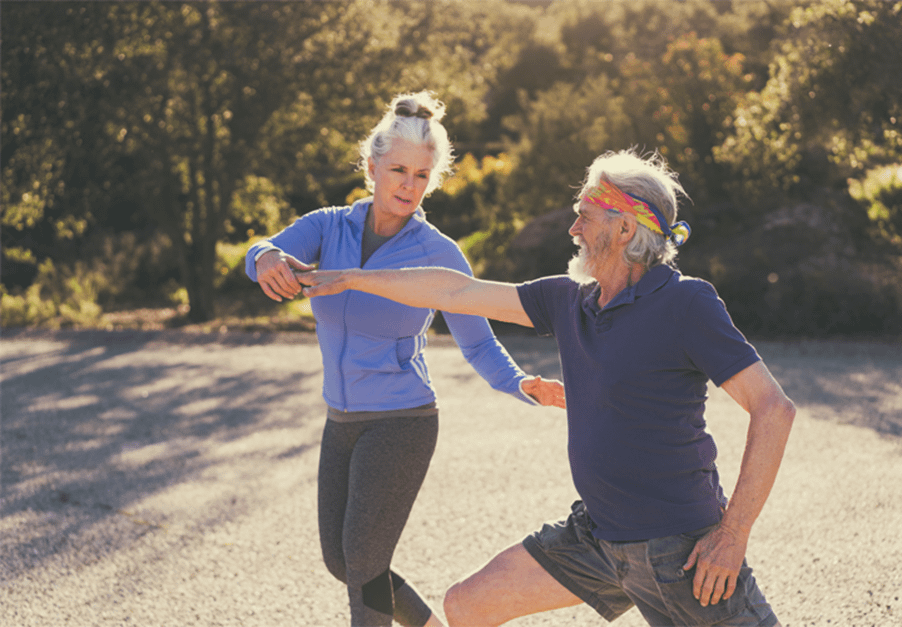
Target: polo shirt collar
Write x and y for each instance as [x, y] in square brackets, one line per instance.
[651, 281]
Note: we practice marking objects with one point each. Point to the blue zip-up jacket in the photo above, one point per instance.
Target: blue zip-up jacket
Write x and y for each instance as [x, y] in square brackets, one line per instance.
[372, 347]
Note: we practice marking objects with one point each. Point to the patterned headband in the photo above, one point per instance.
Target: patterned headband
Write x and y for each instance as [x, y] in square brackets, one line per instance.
[608, 196]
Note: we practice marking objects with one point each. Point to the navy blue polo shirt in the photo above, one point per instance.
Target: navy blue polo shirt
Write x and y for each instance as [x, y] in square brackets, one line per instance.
[635, 375]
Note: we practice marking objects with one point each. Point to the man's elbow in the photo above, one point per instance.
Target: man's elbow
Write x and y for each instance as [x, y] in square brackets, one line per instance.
[775, 413]
[785, 411]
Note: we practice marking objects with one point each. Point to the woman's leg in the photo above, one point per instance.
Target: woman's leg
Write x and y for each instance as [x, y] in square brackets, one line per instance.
[381, 464]
[332, 492]
[410, 608]
[388, 467]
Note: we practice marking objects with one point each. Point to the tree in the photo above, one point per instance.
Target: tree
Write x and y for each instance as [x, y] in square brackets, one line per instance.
[58, 160]
[176, 118]
[824, 129]
[832, 107]
[557, 143]
[212, 76]
[154, 110]
[680, 104]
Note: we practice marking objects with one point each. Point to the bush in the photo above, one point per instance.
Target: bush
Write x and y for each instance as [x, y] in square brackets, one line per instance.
[230, 274]
[487, 251]
[466, 201]
[121, 271]
[799, 271]
[880, 191]
[58, 298]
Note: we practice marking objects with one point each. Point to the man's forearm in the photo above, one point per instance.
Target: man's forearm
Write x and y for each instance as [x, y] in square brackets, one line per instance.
[766, 441]
[433, 288]
[718, 556]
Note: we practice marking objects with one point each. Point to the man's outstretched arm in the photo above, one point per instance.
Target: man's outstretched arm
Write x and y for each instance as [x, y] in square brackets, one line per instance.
[435, 288]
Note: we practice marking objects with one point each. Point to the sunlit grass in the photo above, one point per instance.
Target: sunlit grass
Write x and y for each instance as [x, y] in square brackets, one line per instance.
[299, 307]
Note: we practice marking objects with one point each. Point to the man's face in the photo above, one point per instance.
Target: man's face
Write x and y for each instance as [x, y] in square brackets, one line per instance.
[592, 233]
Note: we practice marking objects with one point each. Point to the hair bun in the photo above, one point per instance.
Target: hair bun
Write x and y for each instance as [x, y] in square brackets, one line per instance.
[412, 109]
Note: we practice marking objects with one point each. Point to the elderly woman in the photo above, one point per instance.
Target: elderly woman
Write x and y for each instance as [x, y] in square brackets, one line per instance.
[382, 419]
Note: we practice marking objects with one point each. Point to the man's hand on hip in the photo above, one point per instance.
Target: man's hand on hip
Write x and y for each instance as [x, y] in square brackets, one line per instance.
[717, 558]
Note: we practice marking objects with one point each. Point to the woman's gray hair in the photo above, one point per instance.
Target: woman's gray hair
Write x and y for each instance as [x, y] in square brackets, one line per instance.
[415, 118]
[649, 178]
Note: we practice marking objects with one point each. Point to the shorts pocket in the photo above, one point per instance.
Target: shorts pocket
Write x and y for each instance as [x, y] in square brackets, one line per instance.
[667, 556]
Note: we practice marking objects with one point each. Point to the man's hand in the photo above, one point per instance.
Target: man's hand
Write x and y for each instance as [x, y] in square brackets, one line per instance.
[276, 274]
[717, 558]
[548, 393]
[323, 282]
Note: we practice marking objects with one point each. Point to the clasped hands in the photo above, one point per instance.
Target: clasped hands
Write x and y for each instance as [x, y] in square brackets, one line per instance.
[282, 276]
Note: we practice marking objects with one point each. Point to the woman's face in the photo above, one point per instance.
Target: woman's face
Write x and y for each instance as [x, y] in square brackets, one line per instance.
[400, 178]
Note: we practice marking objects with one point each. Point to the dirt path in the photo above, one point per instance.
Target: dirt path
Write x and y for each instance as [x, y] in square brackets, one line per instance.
[165, 479]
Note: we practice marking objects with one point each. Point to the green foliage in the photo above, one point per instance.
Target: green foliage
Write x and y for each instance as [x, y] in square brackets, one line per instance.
[465, 202]
[58, 297]
[803, 129]
[230, 275]
[26, 308]
[681, 103]
[258, 206]
[674, 92]
[561, 131]
[880, 191]
[56, 167]
[487, 250]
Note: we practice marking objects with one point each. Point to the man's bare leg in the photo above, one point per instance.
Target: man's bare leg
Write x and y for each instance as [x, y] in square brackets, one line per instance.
[511, 585]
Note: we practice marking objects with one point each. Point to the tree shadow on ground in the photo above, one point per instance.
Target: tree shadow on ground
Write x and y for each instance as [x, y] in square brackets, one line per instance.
[856, 383]
[94, 423]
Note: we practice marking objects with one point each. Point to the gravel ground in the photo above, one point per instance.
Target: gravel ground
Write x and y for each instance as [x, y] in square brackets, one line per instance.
[169, 479]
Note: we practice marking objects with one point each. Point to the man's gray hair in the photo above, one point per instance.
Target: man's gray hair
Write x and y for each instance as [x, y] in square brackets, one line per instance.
[650, 178]
[415, 118]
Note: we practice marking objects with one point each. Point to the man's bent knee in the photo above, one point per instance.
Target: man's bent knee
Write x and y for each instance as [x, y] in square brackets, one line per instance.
[461, 611]
[510, 585]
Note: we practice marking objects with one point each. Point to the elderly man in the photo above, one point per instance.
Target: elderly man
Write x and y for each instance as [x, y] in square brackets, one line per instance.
[638, 344]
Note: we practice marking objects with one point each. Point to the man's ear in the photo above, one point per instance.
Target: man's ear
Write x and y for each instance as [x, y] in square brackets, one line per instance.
[628, 226]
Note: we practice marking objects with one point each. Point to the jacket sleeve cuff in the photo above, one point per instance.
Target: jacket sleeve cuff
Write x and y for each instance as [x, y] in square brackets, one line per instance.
[250, 259]
[523, 396]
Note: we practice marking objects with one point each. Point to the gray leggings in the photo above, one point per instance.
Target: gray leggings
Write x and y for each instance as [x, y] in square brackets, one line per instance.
[369, 475]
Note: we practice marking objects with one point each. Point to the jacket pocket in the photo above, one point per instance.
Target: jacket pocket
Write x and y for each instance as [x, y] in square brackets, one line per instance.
[370, 354]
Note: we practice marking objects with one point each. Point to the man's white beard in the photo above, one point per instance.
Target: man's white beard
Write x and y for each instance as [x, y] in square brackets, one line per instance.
[580, 267]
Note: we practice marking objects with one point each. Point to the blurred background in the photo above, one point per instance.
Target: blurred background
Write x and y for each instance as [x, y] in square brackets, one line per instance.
[145, 145]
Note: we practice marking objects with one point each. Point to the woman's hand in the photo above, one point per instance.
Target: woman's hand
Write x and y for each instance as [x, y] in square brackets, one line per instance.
[548, 393]
[276, 274]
